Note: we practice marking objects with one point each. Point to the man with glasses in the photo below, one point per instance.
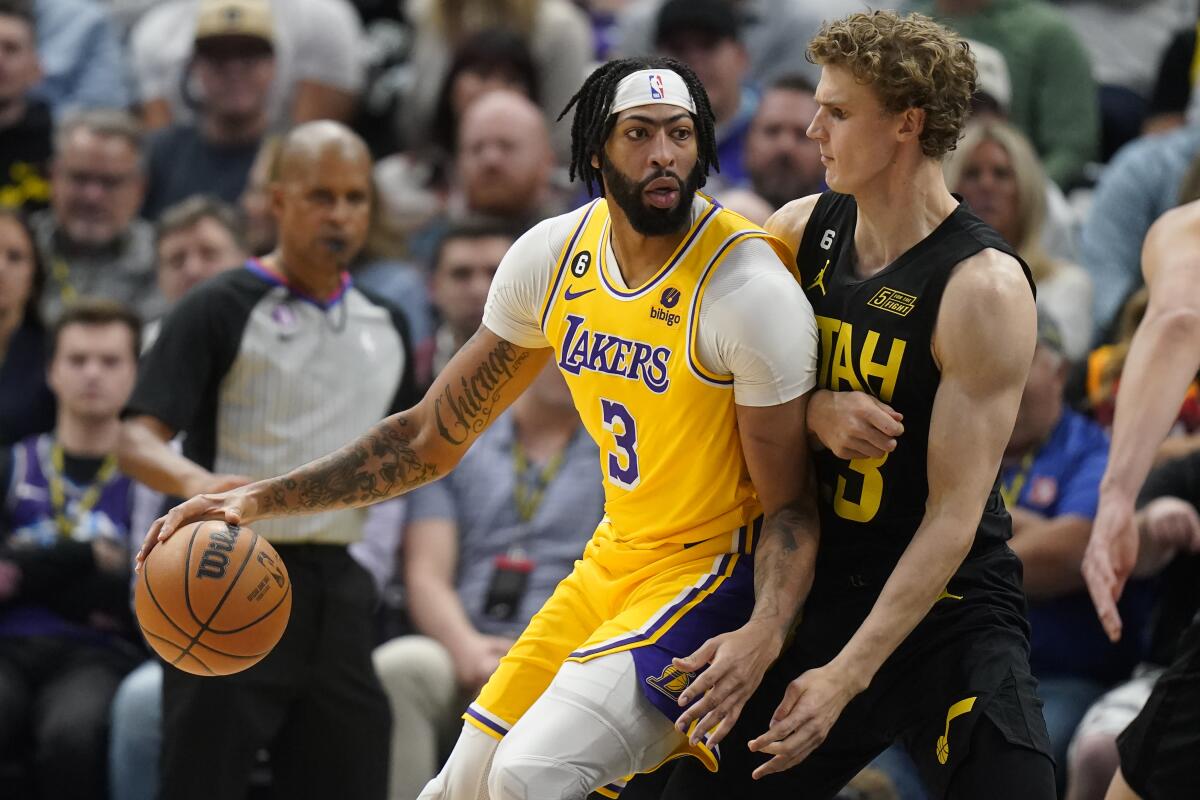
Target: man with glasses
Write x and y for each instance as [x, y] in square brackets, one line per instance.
[90, 238]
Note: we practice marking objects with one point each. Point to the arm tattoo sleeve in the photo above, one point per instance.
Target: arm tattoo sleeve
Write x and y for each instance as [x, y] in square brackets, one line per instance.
[382, 463]
[379, 464]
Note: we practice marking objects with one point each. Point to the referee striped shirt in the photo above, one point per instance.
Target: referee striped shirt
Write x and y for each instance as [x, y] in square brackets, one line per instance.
[263, 379]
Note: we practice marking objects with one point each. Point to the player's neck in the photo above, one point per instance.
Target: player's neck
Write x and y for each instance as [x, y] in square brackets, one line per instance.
[897, 212]
[640, 257]
[543, 429]
[80, 436]
[314, 280]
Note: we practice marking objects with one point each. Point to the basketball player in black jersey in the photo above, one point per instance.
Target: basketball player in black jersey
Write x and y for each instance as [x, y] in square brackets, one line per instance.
[915, 628]
[1160, 748]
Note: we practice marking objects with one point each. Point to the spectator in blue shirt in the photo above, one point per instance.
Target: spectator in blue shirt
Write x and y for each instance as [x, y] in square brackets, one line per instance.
[1140, 184]
[82, 62]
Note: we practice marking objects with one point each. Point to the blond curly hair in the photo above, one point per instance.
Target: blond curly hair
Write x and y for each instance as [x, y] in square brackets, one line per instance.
[911, 62]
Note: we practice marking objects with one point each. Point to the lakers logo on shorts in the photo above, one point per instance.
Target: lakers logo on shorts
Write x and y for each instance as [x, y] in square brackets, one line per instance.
[943, 742]
[671, 681]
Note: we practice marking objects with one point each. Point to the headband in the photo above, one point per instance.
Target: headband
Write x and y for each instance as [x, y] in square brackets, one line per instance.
[652, 86]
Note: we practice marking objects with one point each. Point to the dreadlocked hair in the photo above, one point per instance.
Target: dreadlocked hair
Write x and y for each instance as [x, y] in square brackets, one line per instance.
[593, 123]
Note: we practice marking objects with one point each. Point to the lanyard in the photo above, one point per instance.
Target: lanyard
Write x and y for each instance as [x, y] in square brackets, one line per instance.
[1012, 491]
[527, 495]
[61, 272]
[58, 497]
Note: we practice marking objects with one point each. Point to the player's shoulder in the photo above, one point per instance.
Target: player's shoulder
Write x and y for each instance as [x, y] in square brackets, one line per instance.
[1182, 220]
[789, 222]
[991, 274]
[1172, 242]
[988, 298]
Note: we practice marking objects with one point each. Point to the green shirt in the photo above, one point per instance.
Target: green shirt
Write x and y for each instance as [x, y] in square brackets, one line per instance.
[1054, 97]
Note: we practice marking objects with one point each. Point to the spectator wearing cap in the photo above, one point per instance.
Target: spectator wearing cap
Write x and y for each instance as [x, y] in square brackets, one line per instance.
[90, 239]
[319, 64]
[706, 35]
[25, 126]
[1054, 97]
[234, 67]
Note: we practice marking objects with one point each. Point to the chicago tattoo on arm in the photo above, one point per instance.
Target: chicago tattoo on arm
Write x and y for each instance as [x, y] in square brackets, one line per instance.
[379, 464]
[465, 410]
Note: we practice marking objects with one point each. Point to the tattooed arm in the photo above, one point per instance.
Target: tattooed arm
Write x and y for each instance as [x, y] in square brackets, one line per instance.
[400, 453]
[774, 441]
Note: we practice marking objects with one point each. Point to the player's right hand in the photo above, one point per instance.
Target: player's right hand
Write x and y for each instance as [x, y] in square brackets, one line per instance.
[854, 424]
[1110, 558]
[234, 507]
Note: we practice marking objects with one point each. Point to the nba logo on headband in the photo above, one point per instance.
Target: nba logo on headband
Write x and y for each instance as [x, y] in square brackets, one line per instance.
[657, 92]
[631, 90]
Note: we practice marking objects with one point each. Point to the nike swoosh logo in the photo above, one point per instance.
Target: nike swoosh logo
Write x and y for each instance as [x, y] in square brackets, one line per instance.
[569, 295]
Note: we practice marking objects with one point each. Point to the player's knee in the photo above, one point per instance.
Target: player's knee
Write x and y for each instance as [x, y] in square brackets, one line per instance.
[521, 776]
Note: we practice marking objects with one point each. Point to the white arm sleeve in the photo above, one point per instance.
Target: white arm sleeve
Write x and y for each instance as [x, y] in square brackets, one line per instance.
[757, 325]
[522, 280]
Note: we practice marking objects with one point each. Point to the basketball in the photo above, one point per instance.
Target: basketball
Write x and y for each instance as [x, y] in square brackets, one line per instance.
[213, 599]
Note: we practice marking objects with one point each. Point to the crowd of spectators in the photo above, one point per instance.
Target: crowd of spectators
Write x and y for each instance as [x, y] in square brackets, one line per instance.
[290, 212]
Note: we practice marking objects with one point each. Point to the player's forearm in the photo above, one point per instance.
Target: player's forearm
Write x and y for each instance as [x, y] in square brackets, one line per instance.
[1162, 363]
[919, 579]
[393, 457]
[144, 455]
[783, 564]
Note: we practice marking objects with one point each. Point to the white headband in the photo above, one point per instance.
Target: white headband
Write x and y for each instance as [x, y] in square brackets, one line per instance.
[652, 86]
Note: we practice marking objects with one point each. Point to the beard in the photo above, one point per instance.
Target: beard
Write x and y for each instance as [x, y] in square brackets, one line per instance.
[647, 220]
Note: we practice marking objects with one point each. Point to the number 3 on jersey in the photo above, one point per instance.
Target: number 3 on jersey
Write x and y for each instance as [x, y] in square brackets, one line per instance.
[623, 462]
[869, 497]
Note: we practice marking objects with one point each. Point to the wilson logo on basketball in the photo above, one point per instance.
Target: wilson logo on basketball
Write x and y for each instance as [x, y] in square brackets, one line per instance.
[215, 559]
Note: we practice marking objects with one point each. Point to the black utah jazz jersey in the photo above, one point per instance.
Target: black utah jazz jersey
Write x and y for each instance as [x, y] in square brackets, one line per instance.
[875, 336]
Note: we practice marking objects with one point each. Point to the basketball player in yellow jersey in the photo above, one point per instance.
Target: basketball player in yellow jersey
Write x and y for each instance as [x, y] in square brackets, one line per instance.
[689, 349]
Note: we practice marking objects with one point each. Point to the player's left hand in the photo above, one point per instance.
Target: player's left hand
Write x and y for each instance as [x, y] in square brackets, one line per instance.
[736, 663]
[810, 706]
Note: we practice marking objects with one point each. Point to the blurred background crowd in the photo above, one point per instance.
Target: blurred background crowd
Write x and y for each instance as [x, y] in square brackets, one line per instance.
[139, 175]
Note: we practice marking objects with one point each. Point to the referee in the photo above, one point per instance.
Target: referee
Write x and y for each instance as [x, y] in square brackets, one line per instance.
[265, 368]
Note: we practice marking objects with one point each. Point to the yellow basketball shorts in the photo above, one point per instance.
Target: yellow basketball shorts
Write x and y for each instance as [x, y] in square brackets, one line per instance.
[660, 603]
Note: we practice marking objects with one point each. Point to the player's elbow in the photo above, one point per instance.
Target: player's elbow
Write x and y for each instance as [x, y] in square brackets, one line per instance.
[1179, 322]
[433, 441]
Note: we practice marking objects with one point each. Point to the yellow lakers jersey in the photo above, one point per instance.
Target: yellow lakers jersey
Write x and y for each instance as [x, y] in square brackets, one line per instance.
[666, 426]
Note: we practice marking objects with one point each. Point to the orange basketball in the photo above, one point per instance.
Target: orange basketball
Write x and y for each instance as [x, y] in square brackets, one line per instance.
[213, 599]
